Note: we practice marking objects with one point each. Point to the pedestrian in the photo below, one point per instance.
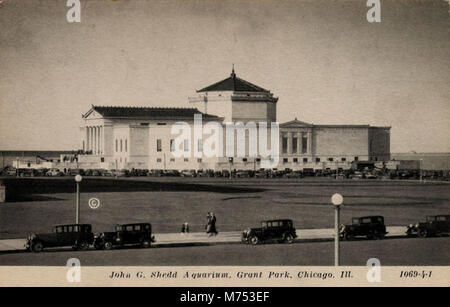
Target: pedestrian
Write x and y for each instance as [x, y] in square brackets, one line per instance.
[185, 228]
[212, 231]
[208, 222]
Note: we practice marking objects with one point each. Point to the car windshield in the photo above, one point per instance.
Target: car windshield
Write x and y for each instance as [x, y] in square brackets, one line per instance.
[118, 228]
[431, 218]
[355, 221]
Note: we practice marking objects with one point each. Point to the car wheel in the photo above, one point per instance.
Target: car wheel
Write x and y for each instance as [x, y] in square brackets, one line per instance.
[348, 236]
[380, 236]
[108, 245]
[288, 238]
[254, 240]
[38, 247]
[145, 243]
[423, 233]
[83, 246]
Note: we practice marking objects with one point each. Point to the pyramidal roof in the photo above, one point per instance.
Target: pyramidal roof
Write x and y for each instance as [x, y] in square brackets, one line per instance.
[233, 83]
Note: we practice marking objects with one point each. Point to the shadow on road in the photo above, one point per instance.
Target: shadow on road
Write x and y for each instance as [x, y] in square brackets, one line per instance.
[25, 189]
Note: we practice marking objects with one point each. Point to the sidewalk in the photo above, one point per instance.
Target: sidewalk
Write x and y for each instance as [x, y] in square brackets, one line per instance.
[168, 239]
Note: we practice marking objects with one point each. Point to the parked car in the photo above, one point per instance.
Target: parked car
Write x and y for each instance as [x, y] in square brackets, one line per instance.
[9, 171]
[155, 173]
[172, 173]
[433, 226]
[76, 171]
[357, 175]
[26, 172]
[79, 236]
[54, 172]
[294, 174]
[128, 234]
[243, 174]
[188, 173]
[281, 230]
[107, 173]
[371, 227]
[121, 173]
[262, 174]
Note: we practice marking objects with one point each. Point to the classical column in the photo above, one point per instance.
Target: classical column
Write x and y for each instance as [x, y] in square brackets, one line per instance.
[289, 143]
[309, 143]
[93, 140]
[98, 139]
[101, 140]
[86, 139]
[90, 138]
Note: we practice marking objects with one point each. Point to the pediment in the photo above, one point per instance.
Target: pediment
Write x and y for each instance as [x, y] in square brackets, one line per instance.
[295, 124]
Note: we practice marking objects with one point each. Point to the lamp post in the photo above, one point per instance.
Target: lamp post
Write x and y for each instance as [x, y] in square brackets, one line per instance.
[420, 169]
[337, 201]
[78, 179]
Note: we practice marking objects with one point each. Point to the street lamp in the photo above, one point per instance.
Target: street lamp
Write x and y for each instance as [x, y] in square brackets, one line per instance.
[337, 201]
[78, 179]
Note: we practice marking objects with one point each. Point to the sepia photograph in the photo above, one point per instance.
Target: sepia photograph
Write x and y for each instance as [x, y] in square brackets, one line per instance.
[225, 142]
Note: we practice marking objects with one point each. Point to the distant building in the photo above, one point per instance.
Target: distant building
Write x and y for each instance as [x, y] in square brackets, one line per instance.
[140, 137]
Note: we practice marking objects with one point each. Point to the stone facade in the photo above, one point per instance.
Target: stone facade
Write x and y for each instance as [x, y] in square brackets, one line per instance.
[121, 137]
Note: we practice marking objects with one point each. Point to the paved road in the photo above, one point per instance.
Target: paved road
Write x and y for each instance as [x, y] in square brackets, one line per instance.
[391, 251]
[223, 237]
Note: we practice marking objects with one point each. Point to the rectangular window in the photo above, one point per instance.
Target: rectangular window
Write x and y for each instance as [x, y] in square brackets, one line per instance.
[158, 145]
[330, 159]
[172, 145]
[172, 159]
[158, 160]
[304, 142]
[295, 160]
[186, 160]
[258, 159]
[200, 145]
[294, 145]
[120, 145]
[144, 124]
[343, 159]
[284, 144]
[317, 159]
[285, 160]
[356, 159]
[199, 160]
[161, 124]
[305, 160]
[244, 159]
[186, 145]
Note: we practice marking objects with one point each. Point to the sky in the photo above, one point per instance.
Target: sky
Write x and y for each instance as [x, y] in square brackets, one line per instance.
[324, 61]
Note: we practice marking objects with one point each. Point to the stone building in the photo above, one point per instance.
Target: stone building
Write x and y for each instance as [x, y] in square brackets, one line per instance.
[142, 137]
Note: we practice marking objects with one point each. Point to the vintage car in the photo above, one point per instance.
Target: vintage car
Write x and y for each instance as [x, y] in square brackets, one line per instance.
[54, 172]
[128, 234]
[433, 226]
[188, 173]
[79, 236]
[280, 230]
[371, 227]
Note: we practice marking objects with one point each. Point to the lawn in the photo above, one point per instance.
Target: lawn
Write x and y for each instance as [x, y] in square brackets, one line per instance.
[35, 204]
